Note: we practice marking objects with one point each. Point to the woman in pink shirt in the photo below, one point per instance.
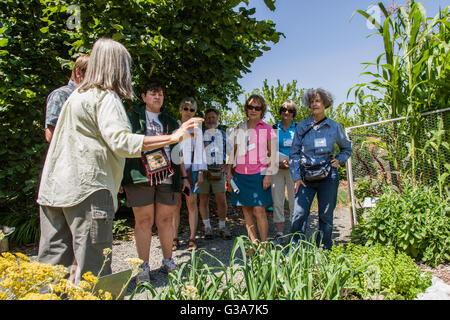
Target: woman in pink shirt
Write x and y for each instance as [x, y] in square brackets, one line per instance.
[253, 142]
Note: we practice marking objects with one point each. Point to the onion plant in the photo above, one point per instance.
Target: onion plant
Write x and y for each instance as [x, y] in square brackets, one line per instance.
[260, 272]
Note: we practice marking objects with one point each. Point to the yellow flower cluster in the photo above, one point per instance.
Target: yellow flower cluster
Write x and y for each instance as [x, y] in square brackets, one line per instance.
[134, 263]
[190, 293]
[21, 279]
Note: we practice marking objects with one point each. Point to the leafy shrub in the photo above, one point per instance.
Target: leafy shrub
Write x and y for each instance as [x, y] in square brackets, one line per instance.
[367, 187]
[201, 48]
[26, 224]
[121, 231]
[384, 272]
[416, 222]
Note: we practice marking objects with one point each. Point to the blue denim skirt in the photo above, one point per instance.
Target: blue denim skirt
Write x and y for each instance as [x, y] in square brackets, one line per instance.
[251, 193]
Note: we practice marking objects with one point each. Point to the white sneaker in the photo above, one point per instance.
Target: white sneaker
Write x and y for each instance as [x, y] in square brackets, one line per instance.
[144, 275]
[168, 265]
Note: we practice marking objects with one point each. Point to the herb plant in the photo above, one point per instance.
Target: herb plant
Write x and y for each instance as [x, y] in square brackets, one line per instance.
[416, 222]
[389, 275]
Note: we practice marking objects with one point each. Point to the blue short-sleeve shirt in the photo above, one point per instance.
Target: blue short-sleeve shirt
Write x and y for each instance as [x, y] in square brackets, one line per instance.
[285, 138]
[216, 143]
[55, 101]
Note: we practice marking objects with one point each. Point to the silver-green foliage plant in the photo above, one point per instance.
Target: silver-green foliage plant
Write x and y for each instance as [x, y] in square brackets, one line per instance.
[416, 222]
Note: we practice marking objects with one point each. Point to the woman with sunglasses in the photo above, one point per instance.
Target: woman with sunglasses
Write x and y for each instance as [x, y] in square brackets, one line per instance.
[192, 166]
[253, 141]
[282, 180]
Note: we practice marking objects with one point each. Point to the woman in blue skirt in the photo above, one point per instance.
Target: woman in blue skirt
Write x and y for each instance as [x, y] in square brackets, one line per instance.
[253, 141]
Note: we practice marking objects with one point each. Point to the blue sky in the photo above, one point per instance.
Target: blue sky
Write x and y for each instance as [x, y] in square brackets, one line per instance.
[324, 46]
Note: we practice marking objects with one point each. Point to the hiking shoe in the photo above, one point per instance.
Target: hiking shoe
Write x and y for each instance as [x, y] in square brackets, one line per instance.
[208, 233]
[144, 275]
[225, 233]
[168, 265]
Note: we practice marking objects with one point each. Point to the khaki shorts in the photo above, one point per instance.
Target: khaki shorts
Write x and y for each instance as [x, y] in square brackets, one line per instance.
[142, 194]
[214, 186]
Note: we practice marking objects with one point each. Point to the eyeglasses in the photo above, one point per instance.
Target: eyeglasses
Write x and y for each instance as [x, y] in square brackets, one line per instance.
[283, 109]
[257, 108]
[188, 109]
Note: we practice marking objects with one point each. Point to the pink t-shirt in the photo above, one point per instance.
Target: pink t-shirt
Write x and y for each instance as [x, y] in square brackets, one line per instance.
[256, 159]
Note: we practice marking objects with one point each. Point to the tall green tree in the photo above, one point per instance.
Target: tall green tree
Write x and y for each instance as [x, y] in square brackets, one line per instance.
[197, 48]
[276, 95]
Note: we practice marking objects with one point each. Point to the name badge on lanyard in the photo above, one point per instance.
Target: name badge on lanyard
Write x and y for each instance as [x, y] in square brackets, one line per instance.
[287, 143]
[251, 146]
[320, 143]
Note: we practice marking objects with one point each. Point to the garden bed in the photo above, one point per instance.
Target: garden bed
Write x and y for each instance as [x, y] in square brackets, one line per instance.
[219, 248]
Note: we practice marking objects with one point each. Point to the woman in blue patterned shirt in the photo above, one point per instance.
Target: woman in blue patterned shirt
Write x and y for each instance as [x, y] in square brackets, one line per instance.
[314, 144]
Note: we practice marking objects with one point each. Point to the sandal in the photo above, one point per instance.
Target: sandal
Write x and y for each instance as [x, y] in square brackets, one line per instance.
[192, 244]
[250, 252]
[175, 244]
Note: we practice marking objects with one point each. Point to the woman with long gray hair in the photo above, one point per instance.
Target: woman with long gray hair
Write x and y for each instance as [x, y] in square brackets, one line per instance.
[85, 161]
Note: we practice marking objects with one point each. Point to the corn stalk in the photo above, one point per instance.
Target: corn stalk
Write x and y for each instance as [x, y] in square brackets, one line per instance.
[412, 70]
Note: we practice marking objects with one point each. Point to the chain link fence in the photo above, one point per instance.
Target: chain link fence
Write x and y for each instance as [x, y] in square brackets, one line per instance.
[383, 153]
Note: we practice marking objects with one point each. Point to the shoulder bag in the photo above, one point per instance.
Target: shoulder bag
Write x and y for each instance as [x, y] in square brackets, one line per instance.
[317, 172]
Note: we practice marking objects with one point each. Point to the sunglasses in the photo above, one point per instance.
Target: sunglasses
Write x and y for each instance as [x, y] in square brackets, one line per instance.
[257, 108]
[188, 109]
[286, 109]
